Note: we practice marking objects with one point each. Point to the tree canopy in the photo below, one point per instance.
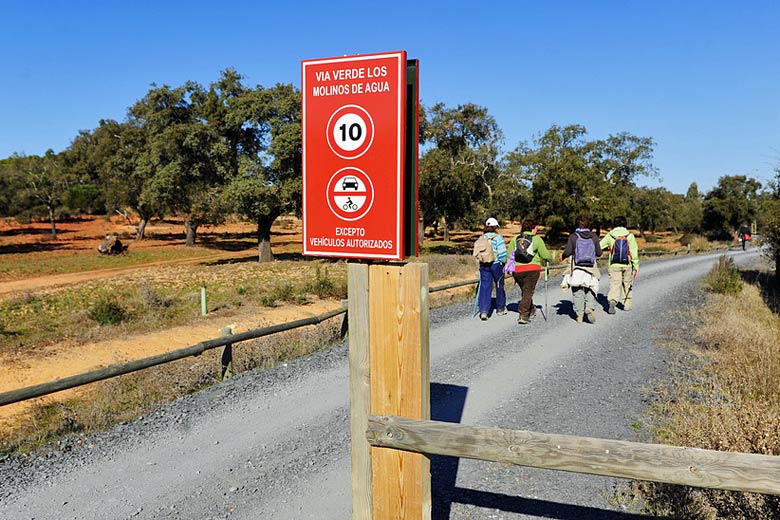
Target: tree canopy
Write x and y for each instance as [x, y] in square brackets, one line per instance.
[203, 153]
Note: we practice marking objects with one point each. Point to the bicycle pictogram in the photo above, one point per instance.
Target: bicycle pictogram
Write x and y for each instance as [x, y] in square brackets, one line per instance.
[349, 205]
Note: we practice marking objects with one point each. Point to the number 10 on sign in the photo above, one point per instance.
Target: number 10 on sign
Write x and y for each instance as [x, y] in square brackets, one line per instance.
[350, 131]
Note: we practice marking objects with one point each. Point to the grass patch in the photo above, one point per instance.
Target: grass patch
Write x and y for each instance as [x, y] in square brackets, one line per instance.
[15, 266]
[108, 312]
[324, 286]
[727, 398]
[124, 398]
[724, 278]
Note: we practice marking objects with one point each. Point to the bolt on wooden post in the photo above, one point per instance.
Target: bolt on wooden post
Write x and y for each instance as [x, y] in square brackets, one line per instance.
[389, 375]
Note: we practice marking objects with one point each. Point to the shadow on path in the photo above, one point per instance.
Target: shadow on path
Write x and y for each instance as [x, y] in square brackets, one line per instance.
[447, 403]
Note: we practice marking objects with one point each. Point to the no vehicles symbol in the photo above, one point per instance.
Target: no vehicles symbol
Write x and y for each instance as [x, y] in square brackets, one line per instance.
[350, 194]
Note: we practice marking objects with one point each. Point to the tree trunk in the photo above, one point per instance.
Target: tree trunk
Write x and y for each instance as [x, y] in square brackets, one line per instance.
[191, 230]
[139, 234]
[264, 253]
[446, 230]
[53, 227]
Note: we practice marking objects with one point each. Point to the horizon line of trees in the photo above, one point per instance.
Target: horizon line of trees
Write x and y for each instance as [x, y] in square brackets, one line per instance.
[204, 153]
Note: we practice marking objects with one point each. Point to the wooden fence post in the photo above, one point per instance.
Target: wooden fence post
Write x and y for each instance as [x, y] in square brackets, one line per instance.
[389, 374]
[226, 356]
[359, 390]
[400, 385]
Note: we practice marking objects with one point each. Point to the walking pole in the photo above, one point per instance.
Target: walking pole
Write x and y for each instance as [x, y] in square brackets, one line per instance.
[546, 278]
[476, 299]
[630, 287]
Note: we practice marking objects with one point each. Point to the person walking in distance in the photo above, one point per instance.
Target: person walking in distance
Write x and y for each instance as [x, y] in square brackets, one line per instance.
[529, 252]
[743, 234]
[491, 272]
[583, 274]
[623, 264]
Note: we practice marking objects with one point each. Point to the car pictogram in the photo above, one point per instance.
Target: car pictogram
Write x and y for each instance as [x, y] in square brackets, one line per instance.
[349, 182]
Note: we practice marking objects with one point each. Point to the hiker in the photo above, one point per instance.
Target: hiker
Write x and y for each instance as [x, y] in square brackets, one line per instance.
[491, 270]
[583, 274]
[529, 252]
[623, 264]
[744, 235]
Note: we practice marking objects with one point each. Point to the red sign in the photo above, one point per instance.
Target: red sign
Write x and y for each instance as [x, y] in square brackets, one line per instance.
[353, 156]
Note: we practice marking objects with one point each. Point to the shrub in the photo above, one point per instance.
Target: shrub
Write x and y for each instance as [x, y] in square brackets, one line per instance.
[695, 241]
[325, 287]
[724, 278]
[108, 312]
[152, 299]
[285, 292]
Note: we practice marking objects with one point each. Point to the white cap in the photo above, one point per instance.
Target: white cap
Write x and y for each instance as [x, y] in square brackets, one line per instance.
[491, 222]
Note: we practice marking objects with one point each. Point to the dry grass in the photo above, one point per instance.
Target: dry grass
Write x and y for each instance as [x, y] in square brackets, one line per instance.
[728, 401]
[107, 403]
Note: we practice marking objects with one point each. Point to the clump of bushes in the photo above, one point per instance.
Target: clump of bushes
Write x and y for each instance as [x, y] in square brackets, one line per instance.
[724, 278]
[282, 293]
[695, 242]
[326, 287]
[108, 312]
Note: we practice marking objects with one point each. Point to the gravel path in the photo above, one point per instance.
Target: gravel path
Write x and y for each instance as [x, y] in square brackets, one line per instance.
[275, 444]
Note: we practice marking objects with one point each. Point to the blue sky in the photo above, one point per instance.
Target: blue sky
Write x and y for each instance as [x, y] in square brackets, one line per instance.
[701, 78]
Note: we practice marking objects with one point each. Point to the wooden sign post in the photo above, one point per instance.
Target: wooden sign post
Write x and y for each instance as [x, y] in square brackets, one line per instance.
[389, 375]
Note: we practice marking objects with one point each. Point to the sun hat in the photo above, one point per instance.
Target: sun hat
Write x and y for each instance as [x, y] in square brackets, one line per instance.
[491, 222]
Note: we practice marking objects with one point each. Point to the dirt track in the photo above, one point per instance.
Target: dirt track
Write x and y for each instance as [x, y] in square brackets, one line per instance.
[60, 280]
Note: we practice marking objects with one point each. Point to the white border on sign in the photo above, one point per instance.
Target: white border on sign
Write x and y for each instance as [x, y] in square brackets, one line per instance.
[400, 165]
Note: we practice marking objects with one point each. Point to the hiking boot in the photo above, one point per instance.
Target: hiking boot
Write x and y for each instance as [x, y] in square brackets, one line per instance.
[522, 321]
[501, 313]
[533, 313]
[591, 314]
[579, 319]
[612, 304]
[483, 316]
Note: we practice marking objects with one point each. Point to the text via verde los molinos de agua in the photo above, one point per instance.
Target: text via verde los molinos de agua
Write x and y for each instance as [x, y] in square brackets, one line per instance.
[358, 80]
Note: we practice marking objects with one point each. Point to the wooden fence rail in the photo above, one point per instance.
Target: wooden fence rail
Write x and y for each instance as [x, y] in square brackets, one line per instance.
[140, 364]
[22, 394]
[653, 462]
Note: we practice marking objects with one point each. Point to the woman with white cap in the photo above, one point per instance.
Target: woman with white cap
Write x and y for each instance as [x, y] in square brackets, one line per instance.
[492, 273]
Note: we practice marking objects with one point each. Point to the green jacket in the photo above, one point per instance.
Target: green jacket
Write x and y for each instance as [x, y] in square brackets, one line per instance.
[633, 250]
[540, 250]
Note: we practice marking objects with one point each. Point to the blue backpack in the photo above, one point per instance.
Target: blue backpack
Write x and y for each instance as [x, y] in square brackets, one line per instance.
[620, 253]
[584, 252]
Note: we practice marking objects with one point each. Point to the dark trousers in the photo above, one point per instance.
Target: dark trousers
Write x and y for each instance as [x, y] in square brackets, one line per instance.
[490, 275]
[527, 282]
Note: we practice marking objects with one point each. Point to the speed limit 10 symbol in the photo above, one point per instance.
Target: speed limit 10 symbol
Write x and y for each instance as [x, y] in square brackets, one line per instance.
[350, 131]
